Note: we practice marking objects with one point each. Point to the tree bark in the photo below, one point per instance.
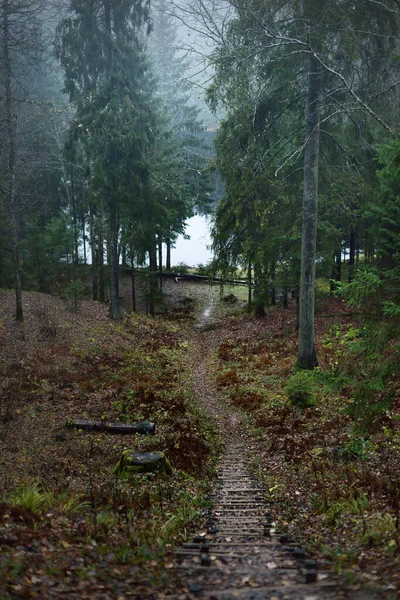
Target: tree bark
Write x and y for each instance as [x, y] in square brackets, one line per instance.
[10, 129]
[259, 309]
[336, 269]
[332, 284]
[285, 300]
[123, 253]
[352, 253]
[83, 225]
[133, 284]
[75, 246]
[115, 308]
[307, 358]
[339, 265]
[102, 284]
[273, 288]
[249, 282]
[168, 257]
[297, 298]
[160, 261]
[152, 282]
[143, 428]
[94, 252]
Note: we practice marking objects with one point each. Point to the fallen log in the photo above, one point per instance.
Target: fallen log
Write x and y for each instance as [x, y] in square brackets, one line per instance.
[143, 428]
[132, 463]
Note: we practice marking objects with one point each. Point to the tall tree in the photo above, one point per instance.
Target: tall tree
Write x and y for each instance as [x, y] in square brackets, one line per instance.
[20, 45]
[188, 182]
[319, 55]
[101, 51]
[307, 358]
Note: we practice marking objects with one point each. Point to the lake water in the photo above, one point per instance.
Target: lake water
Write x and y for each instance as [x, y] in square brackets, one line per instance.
[195, 250]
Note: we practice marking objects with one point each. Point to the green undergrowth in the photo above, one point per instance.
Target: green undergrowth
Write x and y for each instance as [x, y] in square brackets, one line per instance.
[327, 442]
[59, 483]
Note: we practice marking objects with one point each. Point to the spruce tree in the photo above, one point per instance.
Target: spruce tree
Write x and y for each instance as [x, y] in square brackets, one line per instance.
[101, 51]
[309, 61]
[188, 183]
[21, 44]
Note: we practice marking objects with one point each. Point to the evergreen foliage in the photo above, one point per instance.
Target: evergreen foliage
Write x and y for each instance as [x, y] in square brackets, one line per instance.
[274, 62]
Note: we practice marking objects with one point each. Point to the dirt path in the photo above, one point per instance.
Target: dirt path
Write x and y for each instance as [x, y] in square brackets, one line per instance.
[207, 315]
[242, 553]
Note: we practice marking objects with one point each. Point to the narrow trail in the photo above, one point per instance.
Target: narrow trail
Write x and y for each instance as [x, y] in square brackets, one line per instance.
[242, 553]
[207, 315]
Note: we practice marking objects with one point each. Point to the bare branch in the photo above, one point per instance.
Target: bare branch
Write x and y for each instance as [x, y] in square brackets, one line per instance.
[390, 10]
[356, 97]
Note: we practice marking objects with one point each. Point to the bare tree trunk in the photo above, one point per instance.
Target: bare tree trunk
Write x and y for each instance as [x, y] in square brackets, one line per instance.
[249, 282]
[273, 289]
[10, 142]
[352, 253]
[332, 284]
[307, 358]
[19, 314]
[259, 309]
[95, 258]
[152, 282]
[160, 261]
[133, 282]
[115, 308]
[336, 269]
[75, 245]
[297, 298]
[83, 224]
[168, 257]
[285, 300]
[102, 285]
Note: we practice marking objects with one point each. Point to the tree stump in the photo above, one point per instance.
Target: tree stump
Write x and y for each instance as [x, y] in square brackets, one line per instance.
[143, 428]
[132, 463]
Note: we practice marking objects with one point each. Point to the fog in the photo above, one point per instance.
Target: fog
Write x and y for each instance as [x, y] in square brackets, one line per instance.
[195, 250]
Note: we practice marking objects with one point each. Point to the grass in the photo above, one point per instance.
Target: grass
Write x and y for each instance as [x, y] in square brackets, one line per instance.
[35, 498]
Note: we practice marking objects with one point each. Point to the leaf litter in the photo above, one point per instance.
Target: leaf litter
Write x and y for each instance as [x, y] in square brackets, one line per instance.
[60, 364]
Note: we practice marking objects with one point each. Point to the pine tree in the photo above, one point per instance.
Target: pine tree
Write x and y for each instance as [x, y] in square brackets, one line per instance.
[313, 55]
[188, 184]
[101, 51]
[20, 45]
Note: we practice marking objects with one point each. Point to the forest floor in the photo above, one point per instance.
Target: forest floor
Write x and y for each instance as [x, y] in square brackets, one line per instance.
[212, 378]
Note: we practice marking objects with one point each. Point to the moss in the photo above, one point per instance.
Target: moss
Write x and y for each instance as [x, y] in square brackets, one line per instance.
[133, 463]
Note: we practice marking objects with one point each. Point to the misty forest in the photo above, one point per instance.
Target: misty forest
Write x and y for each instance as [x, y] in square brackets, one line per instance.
[221, 430]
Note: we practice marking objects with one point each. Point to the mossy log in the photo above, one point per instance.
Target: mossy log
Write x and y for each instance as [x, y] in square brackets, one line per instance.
[144, 428]
[132, 463]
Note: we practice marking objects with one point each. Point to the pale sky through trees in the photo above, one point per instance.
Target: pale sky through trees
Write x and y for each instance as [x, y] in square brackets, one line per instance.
[193, 251]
